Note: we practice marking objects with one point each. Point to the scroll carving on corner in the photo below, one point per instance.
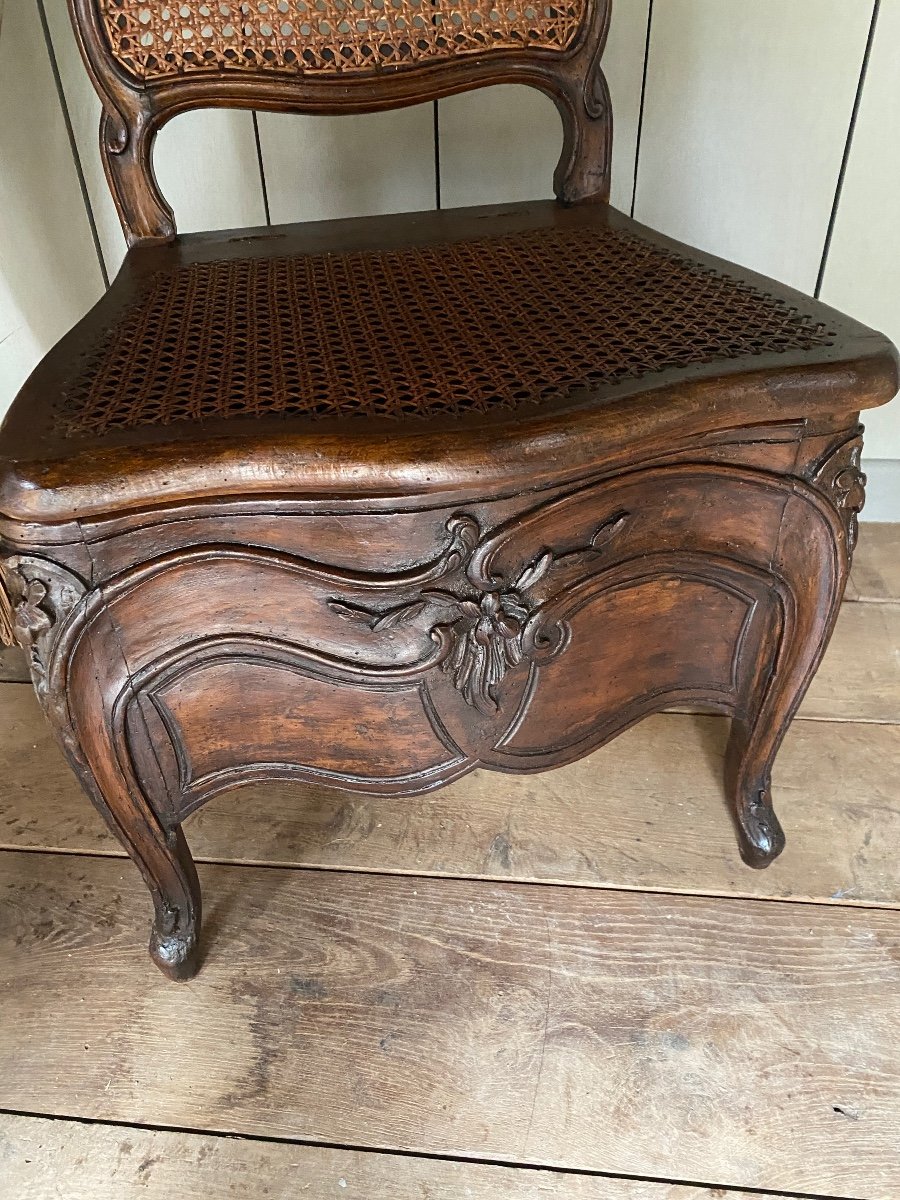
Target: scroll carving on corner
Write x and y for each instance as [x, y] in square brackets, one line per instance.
[595, 88]
[492, 624]
[37, 596]
[842, 478]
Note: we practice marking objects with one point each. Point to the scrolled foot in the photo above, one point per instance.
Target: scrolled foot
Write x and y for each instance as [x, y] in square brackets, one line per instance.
[760, 836]
[174, 947]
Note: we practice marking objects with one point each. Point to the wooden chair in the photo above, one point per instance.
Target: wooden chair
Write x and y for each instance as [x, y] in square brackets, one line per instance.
[375, 502]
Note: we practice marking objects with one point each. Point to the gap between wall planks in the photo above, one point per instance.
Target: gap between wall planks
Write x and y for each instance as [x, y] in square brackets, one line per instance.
[646, 812]
[720, 165]
[859, 277]
[109, 1162]
[848, 146]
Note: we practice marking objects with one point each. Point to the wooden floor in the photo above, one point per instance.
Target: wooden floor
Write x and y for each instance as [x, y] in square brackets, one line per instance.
[517, 988]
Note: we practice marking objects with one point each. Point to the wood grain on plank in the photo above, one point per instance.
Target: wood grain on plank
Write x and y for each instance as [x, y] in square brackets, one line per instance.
[732, 1044]
[647, 811]
[859, 679]
[875, 576]
[45, 1159]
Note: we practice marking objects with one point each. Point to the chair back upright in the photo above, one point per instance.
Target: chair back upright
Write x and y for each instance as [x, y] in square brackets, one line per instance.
[152, 59]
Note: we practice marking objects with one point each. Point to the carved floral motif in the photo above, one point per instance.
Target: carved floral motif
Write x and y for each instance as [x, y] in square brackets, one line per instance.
[492, 624]
[842, 476]
[37, 597]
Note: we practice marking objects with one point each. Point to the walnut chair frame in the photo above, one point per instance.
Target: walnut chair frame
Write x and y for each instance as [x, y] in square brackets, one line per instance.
[384, 598]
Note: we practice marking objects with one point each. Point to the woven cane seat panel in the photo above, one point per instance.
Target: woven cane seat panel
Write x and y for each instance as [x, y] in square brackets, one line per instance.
[157, 38]
[448, 330]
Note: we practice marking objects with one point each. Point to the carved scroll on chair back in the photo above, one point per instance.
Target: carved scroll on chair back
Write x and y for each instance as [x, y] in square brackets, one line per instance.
[375, 503]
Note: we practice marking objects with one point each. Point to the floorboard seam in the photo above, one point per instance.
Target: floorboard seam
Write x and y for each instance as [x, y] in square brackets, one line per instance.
[431, 1156]
[805, 901]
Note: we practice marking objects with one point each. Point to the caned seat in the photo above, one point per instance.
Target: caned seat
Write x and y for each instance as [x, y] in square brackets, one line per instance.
[456, 322]
[448, 329]
[374, 503]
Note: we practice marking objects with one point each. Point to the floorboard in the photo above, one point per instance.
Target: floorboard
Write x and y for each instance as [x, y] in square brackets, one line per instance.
[46, 1159]
[730, 1043]
[876, 564]
[859, 679]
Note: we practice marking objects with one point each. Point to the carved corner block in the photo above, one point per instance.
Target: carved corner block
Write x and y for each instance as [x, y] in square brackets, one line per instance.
[841, 478]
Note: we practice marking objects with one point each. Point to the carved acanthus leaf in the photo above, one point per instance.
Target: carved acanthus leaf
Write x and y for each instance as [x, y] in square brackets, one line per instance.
[486, 621]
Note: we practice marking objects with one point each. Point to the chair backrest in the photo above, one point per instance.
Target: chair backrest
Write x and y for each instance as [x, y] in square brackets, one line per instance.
[152, 59]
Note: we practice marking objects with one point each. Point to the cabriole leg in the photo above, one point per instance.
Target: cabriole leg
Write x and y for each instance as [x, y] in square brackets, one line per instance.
[85, 702]
[161, 854]
[810, 568]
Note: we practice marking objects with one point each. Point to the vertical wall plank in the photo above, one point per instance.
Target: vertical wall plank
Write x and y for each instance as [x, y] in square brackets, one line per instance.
[497, 144]
[862, 274]
[502, 143]
[84, 113]
[623, 64]
[208, 169]
[322, 167]
[205, 161]
[745, 121]
[49, 272]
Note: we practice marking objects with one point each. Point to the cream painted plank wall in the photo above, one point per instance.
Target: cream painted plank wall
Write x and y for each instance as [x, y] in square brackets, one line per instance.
[745, 121]
[501, 144]
[208, 170]
[49, 272]
[862, 274]
[350, 166]
[84, 113]
[746, 116]
[205, 161]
